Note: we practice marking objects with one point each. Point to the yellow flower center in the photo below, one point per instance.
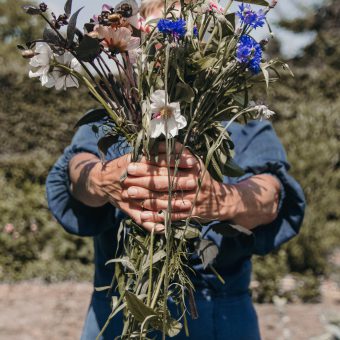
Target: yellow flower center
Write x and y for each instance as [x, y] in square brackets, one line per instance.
[166, 112]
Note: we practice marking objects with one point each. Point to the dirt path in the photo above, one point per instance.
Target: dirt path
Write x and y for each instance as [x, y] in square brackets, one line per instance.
[56, 312]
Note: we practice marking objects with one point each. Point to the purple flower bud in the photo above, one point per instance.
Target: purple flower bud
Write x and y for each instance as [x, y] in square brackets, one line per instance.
[43, 7]
[106, 8]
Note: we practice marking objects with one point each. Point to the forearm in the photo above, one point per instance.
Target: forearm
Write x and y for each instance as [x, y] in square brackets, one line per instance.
[254, 201]
[81, 167]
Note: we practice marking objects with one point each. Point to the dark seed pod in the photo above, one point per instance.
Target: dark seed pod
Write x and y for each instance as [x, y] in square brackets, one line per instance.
[28, 54]
[114, 18]
[43, 7]
[273, 4]
[126, 10]
[264, 42]
[105, 14]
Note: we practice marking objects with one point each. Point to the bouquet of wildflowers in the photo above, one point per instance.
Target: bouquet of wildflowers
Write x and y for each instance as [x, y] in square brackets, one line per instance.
[180, 80]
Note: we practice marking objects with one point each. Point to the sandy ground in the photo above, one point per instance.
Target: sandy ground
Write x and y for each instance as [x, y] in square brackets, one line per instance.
[34, 310]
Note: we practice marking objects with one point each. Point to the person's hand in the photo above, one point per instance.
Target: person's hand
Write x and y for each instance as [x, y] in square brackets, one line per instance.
[148, 183]
[104, 183]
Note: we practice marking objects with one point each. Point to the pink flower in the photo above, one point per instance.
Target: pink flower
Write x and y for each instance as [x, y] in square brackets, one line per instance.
[117, 40]
[142, 25]
[9, 228]
[211, 6]
[215, 7]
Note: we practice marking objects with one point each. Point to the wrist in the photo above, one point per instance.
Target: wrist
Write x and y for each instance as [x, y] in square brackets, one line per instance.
[231, 206]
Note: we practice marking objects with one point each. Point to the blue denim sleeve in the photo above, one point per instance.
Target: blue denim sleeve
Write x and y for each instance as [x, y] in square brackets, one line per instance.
[74, 216]
[258, 150]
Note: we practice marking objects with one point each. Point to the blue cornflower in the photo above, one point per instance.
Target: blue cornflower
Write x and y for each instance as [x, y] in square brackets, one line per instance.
[195, 31]
[176, 28]
[249, 52]
[249, 17]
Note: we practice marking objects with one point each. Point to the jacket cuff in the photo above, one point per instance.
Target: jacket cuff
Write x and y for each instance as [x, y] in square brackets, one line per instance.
[290, 210]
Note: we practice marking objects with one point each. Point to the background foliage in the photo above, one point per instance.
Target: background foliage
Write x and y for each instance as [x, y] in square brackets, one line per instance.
[36, 124]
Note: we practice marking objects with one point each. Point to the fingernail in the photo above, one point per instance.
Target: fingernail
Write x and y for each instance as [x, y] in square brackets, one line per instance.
[132, 168]
[159, 228]
[191, 183]
[132, 191]
[191, 161]
[145, 214]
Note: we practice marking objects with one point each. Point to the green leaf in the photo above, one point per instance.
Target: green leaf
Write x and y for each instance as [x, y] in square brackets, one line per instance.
[31, 10]
[71, 28]
[231, 169]
[231, 17]
[161, 254]
[224, 229]
[89, 27]
[88, 49]
[141, 312]
[91, 117]
[206, 62]
[187, 233]
[217, 173]
[241, 229]
[51, 36]
[137, 307]
[101, 289]
[68, 7]
[174, 327]
[138, 145]
[124, 261]
[105, 143]
[255, 2]
[184, 93]
[207, 251]
[264, 68]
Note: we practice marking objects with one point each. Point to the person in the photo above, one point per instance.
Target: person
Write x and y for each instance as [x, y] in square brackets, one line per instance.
[88, 199]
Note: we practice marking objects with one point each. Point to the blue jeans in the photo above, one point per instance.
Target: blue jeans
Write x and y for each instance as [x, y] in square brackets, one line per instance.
[220, 318]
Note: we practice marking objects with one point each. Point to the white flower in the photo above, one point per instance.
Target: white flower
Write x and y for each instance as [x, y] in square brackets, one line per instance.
[61, 78]
[165, 116]
[118, 40]
[262, 111]
[42, 60]
[51, 75]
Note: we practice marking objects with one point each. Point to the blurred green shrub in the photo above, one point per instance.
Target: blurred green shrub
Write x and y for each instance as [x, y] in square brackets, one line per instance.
[36, 124]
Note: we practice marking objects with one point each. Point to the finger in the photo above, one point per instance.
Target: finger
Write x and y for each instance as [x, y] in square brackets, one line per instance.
[142, 193]
[158, 205]
[161, 183]
[143, 169]
[185, 161]
[151, 216]
[158, 228]
[177, 148]
[134, 210]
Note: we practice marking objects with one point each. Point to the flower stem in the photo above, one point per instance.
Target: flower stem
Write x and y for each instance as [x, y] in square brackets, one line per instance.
[150, 268]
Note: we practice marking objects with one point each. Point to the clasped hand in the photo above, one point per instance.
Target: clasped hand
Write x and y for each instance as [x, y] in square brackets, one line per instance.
[143, 195]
